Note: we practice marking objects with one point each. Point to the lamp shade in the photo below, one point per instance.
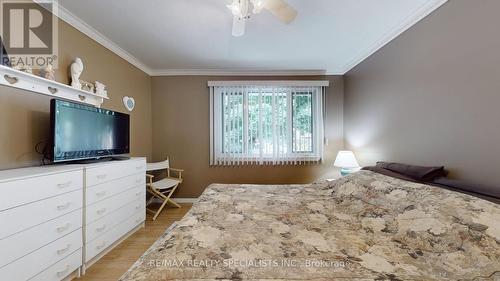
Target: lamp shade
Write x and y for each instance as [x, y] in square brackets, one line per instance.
[346, 159]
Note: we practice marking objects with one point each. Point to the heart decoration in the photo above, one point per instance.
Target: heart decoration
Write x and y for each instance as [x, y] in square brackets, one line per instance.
[129, 103]
[10, 79]
[52, 90]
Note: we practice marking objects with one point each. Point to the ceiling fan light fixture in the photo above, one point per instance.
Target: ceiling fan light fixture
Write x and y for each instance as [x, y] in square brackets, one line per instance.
[241, 12]
[258, 5]
[239, 8]
[235, 8]
[238, 27]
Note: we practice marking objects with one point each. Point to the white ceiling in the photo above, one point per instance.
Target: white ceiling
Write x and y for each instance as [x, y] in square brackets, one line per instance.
[171, 37]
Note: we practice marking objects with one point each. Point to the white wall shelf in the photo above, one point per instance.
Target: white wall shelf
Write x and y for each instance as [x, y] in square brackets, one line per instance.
[30, 82]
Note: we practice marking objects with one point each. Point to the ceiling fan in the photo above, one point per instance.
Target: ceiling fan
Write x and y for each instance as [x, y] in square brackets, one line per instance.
[241, 12]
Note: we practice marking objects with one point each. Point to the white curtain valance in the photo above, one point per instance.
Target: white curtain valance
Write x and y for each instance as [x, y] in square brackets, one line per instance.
[284, 83]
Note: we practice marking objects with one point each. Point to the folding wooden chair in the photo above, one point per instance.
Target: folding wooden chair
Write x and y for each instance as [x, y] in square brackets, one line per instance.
[164, 188]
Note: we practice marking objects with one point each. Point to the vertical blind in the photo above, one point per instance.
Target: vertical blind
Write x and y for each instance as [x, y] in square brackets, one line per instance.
[266, 124]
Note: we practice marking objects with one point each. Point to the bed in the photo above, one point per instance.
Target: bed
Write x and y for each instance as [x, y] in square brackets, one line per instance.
[365, 226]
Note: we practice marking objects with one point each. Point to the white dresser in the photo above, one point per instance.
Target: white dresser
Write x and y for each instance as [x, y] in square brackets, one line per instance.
[115, 197]
[57, 220]
[41, 223]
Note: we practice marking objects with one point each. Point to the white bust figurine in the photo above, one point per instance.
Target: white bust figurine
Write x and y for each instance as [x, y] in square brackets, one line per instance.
[76, 71]
[49, 72]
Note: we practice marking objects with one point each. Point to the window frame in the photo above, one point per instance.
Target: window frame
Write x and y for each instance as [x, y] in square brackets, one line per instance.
[218, 155]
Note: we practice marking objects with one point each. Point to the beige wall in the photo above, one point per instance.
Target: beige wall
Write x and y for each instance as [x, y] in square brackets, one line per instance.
[177, 108]
[432, 95]
[24, 116]
[180, 124]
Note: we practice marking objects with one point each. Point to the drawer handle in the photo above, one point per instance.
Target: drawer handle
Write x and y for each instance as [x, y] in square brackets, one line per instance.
[100, 229]
[63, 228]
[101, 211]
[101, 177]
[138, 193]
[64, 184]
[139, 167]
[64, 207]
[103, 244]
[137, 207]
[63, 272]
[102, 193]
[62, 251]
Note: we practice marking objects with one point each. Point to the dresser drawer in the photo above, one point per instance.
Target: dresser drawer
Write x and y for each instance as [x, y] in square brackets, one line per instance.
[25, 242]
[26, 216]
[102, 208]
[36, 262]
[106, 173]
[105, 190]
[62, 268]
[29, 190]
[93, 248]
[103, 225]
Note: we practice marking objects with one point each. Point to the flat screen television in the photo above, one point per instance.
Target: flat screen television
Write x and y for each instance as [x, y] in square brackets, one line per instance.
[82, 132]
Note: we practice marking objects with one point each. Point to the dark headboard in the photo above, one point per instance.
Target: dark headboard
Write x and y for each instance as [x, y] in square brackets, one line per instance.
[407, 172]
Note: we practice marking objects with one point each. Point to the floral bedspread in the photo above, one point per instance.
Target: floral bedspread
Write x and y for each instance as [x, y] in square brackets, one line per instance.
[364, 226]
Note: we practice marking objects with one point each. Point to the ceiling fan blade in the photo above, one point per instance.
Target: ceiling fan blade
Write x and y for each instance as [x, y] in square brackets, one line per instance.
[238, 26]
[281, 10]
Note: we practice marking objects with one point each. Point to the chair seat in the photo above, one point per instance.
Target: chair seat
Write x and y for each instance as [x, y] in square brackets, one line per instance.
[165, 183]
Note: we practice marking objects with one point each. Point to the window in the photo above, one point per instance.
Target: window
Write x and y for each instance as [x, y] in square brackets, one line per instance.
[265, 124]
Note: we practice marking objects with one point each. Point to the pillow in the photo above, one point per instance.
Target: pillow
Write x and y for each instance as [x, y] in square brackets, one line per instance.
[468, 186]
[388, 173]
[489, 193]
[418, 173]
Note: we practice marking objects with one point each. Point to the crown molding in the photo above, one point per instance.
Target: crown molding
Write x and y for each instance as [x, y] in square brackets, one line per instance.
[82, 26]
[95, 35]
[236, 72]
[417, 16]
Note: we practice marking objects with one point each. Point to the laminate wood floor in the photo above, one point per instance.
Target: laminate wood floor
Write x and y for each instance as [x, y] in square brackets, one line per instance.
[114, 264]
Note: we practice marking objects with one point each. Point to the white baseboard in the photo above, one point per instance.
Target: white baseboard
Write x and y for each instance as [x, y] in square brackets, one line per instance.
[185, 200]
[178, 200]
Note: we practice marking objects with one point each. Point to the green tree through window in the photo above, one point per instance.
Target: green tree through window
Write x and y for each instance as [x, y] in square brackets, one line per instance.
[266, 124]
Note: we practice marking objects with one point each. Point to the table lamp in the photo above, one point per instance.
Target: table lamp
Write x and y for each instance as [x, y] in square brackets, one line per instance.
[346, 161]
